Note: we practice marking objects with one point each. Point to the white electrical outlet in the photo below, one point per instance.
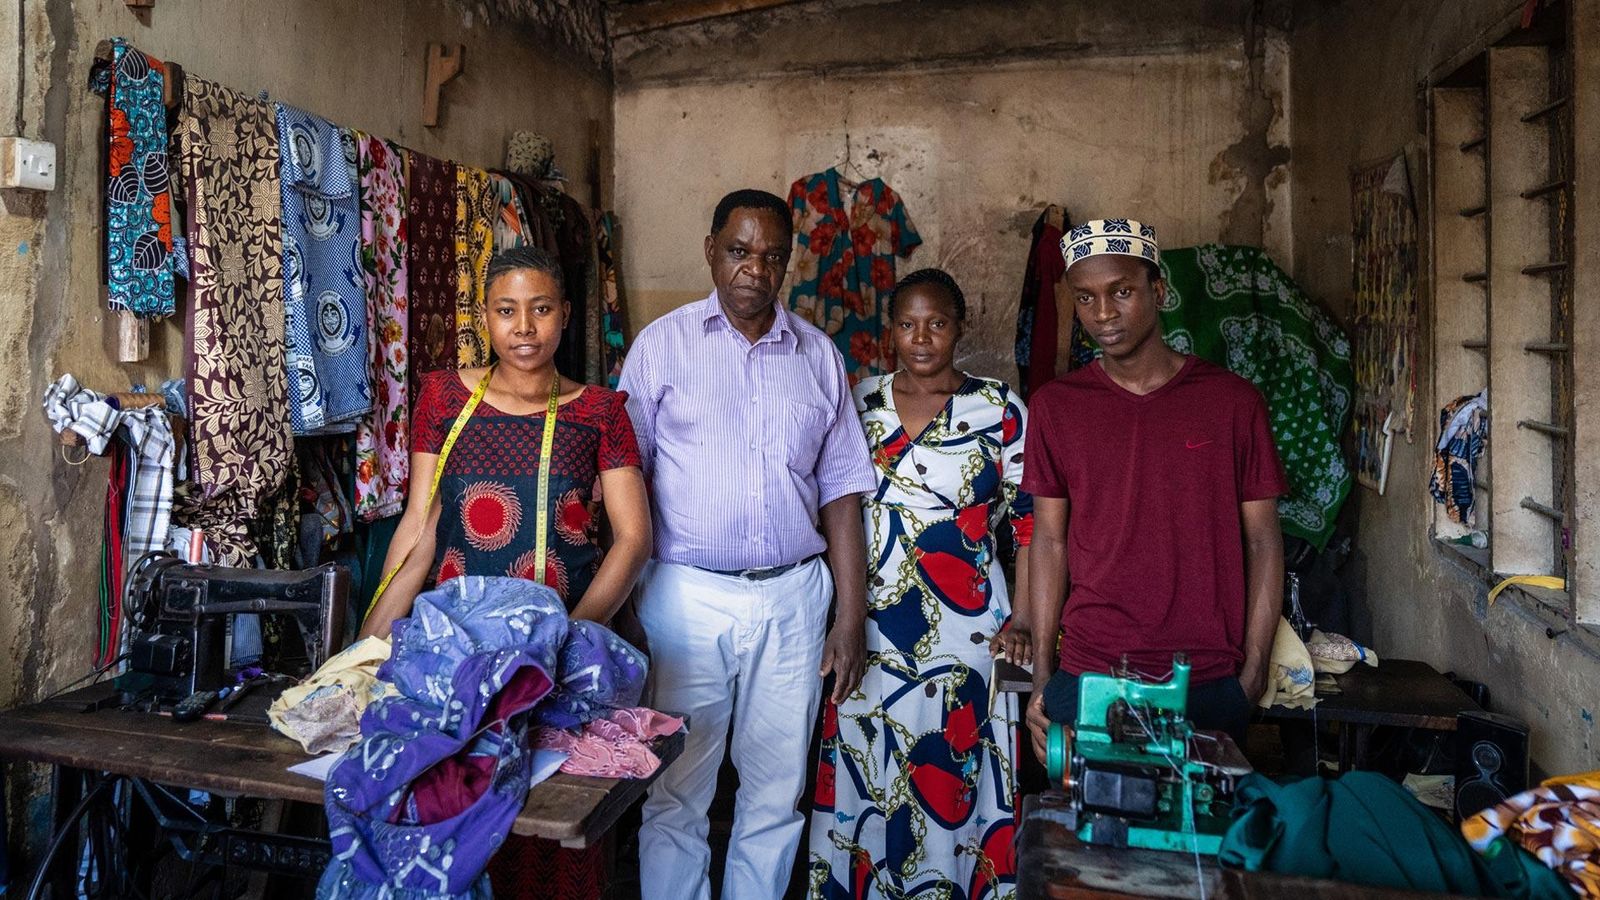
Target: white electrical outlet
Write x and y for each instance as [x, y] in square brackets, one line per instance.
[27, 164]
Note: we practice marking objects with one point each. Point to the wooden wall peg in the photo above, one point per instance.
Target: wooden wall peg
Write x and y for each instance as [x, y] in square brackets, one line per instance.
[133, 337]
[140, 4]
[442, 66]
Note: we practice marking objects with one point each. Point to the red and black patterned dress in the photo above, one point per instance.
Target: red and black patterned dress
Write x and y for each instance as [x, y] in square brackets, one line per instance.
[490, 488]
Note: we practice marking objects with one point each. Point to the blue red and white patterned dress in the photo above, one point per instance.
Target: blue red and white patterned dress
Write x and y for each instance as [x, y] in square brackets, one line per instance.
[915, 787]
[489, 491]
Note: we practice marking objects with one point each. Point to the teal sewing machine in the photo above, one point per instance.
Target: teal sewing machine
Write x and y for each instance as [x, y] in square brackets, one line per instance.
[1134, 772]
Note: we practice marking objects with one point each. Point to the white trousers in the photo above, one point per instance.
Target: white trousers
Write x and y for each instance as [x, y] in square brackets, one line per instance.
[729, 651]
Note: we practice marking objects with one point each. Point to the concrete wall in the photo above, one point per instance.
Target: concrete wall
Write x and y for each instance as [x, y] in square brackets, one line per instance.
[1355, 69]
[359, 63]
[1179, 119]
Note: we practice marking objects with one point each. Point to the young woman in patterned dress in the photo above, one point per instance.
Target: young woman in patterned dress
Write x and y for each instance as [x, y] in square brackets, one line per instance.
[483, 522]
[915, 787]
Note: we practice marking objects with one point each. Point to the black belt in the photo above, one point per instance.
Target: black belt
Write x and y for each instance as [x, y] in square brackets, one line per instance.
[762, 573]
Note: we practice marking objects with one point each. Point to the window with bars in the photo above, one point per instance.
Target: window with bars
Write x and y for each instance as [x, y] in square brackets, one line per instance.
[1501, 164]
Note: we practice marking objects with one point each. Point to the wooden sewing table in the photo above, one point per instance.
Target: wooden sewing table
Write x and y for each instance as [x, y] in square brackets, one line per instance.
[240, 759]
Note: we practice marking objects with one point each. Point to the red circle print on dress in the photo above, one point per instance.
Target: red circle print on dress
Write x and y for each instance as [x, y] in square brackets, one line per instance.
[490, 513]
[572, 518]
[454, 565]
[555, 572]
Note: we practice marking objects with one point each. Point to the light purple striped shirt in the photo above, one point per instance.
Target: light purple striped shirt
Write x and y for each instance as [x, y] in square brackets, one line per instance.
[742, 443]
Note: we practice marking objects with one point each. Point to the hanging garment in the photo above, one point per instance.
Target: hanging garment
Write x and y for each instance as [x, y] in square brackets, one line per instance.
[509, 218]
[1037, 313]
[1365, 829]
[140, 261]
[1232, 306]
[1463, 433]
[324, 285]
[1558, 823]
[915, 777]
[537, 229]
[477, 211]
[139, 495]
[614, 320]
[574, 242]
[847, 238]
[234, 364]
[383, 438]
[431, 264]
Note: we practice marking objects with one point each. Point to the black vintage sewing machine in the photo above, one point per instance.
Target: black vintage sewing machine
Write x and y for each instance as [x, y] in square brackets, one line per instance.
[179, 619]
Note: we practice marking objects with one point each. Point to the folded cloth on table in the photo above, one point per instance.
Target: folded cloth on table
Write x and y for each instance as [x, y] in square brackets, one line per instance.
[1559, 824]
[1290, 676]
[616, 746]
[324, 712]
[1335, 654]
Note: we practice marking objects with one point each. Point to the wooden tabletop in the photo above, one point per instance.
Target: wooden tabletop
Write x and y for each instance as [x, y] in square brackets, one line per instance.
[1052, 863]
[1400, 692]
[238, 759]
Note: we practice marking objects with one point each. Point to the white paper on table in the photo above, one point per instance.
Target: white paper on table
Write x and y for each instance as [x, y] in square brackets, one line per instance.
[545, 764]
[316, 767]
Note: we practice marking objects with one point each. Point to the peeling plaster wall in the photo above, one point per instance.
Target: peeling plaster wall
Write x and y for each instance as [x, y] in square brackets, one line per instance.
[1355, 68]
[1180, 121]
[359, 63]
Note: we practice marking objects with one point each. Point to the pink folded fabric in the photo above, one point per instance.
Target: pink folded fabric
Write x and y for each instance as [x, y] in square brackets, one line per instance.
[616, 746]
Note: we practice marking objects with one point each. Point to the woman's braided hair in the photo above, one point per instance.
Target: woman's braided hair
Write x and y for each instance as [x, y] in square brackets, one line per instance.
[935, 277]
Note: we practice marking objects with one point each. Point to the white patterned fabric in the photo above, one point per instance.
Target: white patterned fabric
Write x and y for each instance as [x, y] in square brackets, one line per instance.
[1117, 237]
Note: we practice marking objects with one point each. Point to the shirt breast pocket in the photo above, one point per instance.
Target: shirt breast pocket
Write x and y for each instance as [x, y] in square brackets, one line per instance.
[804, 427]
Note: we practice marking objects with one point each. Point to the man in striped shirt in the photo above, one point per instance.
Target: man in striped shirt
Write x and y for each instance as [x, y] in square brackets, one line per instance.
[756, 463]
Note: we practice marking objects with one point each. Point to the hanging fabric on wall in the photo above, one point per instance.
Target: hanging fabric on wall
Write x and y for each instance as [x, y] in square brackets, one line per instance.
[594, 362]
[614, 321]
[509, 223]
[537, 229]
[138, 226]
[1039, 313]
[238, 394]
[1384, 288]
[847, 239]
[1463, 432]
[1233, 306]
[431, 264]
[323, 285]
[383, 441]
[476, 214]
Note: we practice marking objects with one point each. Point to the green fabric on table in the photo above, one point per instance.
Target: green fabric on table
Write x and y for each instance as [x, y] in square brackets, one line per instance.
[1365, 829]
[1233, 306]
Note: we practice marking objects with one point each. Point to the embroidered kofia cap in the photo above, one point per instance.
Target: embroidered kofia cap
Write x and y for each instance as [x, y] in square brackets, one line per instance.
[1123, 237]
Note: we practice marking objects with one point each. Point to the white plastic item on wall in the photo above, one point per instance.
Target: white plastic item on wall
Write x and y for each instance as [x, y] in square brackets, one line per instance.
[26, 164]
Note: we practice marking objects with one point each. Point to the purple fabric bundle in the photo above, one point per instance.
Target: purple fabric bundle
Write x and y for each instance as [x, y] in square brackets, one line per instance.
[417, 808]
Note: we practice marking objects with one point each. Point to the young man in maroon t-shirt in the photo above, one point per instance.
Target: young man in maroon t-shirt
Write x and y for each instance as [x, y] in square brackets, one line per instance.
[1155, 485]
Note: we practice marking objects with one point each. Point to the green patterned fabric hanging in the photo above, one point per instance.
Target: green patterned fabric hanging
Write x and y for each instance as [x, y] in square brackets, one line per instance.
[1233, 306]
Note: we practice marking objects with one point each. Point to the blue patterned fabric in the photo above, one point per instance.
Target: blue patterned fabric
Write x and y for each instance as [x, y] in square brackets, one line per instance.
[140, 252]
[324, 285]
[417, 808]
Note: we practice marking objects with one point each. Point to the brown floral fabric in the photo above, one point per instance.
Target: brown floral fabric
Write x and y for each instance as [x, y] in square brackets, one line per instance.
[235, 360]
[431, 264]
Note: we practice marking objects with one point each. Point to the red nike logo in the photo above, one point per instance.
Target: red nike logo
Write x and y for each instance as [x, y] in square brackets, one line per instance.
[1193, 445]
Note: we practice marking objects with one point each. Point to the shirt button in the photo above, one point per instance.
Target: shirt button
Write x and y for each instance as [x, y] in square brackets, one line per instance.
[752, 446]
[754, 400]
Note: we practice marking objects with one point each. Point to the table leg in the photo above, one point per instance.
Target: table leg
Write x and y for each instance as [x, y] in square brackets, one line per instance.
[1346, 748]
[66, 791]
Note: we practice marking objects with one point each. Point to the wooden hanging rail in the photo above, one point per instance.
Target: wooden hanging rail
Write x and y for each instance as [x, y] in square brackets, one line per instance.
[1548, 512]
[1474, 144]
[1555, 265]
[1546, 109]
[1546, 189]
[1475, 277]
[1479, 344]
[1472, 212]
[1544, 428]
[1547, 347]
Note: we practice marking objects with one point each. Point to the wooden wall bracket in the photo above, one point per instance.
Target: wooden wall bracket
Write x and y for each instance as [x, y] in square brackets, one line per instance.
[443, 65]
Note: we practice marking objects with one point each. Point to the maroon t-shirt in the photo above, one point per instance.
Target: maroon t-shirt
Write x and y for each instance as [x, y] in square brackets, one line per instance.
[1155, 541]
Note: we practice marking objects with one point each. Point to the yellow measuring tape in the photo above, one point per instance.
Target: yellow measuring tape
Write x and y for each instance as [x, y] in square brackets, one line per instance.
[546, 446]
